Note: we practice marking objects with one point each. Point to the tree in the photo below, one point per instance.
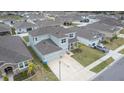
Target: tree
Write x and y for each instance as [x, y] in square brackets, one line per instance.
[114, 37]
[31, 68]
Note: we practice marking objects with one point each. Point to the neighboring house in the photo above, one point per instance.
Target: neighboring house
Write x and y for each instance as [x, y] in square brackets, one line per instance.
[24, 26]
[9, 21]
[52, 42]
[35, 16]
[45, 23]
[14, 56]
[112, 22]
[106, 29]
[89, 37]
[4, 29]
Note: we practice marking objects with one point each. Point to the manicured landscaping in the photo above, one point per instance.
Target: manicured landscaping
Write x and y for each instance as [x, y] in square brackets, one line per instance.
[13, 31]
[114, 44]
[102, 65]
[122, 51]
[86, 55]
[22, 76]
[44, 73]
[26, 38]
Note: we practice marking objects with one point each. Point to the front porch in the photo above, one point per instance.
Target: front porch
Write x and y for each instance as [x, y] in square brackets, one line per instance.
[73, 45]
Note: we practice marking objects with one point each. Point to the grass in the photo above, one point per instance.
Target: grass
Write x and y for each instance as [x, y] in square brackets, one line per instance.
[21, 76]
[16, 17]
[122, 51]
[122, 31]
[114, 44]
[26, 38]
[44, 73]
[102, 65]
[86, 55]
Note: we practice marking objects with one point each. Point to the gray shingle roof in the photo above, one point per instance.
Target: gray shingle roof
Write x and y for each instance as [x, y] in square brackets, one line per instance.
[99, 26]
[56, 31]
[88, 33]
[67, 18]
[45, 23]
[4, 28]
[23, 24]
[72, 40]
[47, 46]
[12, 50]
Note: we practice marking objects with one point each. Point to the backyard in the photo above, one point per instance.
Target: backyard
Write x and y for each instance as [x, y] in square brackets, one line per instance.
[43, 73]
[102, 65]
[114, 44]
[86, 55]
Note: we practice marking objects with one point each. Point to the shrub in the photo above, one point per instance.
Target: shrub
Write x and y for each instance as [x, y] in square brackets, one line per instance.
[114, 37]
[5, 78]
[105, 42]
[78, 50]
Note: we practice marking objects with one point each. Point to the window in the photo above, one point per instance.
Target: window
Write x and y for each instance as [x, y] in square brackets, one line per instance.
[26, 64]
[63, 41]
[29, 29]
[19, 29]
[35, 39]
[21, 65]
[70, 35]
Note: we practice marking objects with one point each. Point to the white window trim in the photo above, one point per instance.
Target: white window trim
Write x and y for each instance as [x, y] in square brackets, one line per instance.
[62, 40]
[23, 65]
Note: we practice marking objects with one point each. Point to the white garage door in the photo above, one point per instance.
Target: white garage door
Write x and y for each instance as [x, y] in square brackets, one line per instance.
[55, 55]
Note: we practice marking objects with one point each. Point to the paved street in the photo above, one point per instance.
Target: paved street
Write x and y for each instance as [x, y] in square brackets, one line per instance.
[113, 73]
[70, 69]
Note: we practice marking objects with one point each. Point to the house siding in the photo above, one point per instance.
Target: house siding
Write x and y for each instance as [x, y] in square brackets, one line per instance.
[87, 42]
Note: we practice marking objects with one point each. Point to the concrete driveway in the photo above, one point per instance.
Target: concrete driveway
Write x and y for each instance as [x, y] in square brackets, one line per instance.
[71, 70]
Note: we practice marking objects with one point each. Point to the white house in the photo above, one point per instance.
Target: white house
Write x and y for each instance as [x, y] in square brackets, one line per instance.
[52, 42]
[89, 37]
[24, 26]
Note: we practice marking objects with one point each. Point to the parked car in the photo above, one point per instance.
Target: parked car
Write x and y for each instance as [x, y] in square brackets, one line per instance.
[102, 48]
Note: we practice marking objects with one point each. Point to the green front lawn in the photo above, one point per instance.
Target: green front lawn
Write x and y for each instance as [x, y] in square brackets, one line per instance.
[122, 51]
[114, 44]
[44, 73]
[102, 65]
[26, 38]
[86, 55]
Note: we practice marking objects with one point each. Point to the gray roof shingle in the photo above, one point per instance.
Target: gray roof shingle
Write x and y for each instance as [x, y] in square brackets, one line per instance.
[56, 31]
[12, 50]
[4, 28]
[47, 46]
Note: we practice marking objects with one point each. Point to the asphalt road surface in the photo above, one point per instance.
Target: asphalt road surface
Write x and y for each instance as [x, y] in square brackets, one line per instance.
[113, 73]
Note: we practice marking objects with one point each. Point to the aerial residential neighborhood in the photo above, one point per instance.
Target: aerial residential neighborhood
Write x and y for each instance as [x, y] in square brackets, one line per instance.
[61, 46]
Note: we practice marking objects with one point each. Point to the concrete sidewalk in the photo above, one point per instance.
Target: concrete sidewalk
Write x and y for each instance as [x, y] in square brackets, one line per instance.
[119, 49]
[121, 35]
[114, 54]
